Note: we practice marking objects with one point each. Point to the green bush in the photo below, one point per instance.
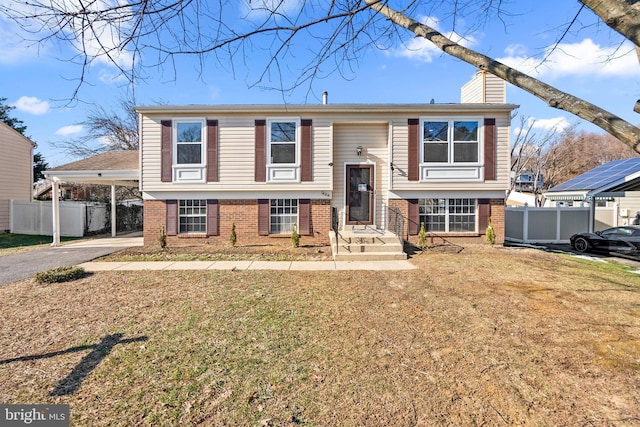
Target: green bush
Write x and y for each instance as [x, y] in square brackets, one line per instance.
[422, 237]
[490, 234]
[162, 238]
[65, 273]
[295, 237]
[234, 237]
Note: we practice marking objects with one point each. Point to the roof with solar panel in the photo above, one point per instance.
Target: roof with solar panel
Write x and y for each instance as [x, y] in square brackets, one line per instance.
[615, 174]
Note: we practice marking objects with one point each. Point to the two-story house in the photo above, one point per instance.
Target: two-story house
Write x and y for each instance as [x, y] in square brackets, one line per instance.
[16, 171]
[269, 168]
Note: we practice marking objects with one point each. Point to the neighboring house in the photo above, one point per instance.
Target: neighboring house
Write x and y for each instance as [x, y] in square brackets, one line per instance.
[269, 168]
[16, 171]
[614, 186]
[68, 191]
[527, 181]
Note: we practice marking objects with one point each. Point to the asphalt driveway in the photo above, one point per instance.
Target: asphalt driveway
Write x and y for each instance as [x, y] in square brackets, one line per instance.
[27, 264]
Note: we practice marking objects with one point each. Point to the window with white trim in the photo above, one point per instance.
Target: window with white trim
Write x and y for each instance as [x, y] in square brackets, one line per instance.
[448, 215]
[283, 139]
[189, 142]
[450, 141]
[283, 215]
[192, 216]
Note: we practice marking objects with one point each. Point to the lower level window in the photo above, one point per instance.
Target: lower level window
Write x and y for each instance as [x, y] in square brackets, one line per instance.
[448, 215]
[283, 215]
[192, 216]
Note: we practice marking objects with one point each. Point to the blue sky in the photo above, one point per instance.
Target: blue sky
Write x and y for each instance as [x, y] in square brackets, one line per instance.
[591, 63]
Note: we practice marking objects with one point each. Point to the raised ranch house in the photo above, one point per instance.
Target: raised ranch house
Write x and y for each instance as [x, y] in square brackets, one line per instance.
[365, 168]
[16, 171]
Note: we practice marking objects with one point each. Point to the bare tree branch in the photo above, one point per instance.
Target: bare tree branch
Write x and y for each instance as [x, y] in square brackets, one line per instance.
[616, 126]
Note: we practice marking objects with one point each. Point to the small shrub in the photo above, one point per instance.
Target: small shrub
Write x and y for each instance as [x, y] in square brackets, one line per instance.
[422, 237]
[162, 238]
[65, 273]
[295, 237]
[490, 234]
[234, 237]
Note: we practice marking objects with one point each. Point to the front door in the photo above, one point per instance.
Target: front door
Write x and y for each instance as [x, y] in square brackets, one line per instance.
[360, 194]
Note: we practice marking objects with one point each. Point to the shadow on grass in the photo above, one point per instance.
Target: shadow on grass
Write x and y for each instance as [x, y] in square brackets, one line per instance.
[71, 382]
[11, 241]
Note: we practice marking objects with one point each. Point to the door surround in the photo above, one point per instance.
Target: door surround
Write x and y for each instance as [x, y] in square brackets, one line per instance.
[351, 193]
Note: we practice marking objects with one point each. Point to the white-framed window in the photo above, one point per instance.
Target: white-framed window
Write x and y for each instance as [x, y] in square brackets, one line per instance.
[283, 141]
[188, 139]
[283, 215]
[192, 216]
[450, 141]
[448, 215]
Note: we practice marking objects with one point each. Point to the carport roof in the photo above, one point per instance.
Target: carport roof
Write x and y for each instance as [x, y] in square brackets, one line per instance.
[616, 176]
[112, 167]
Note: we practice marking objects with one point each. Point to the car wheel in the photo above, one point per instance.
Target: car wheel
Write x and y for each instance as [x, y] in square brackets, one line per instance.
[581, 244]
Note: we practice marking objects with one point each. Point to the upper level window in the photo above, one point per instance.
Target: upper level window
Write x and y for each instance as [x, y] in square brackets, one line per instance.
[283, 141]
[189, 142]
[450, 141]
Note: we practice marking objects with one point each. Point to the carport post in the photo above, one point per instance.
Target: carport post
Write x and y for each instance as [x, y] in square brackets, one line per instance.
[55, 202]
[113, 210]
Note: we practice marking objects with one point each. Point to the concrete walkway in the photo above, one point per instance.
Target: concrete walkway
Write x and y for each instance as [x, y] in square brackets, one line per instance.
[249, 265]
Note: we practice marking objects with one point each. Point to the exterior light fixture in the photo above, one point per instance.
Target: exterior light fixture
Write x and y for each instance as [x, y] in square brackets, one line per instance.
[359, 150]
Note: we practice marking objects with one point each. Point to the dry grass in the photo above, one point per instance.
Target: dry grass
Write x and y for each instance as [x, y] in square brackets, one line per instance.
[489, 336]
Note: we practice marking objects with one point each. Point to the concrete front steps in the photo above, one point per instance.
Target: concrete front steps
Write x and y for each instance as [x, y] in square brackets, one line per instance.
[359, 243]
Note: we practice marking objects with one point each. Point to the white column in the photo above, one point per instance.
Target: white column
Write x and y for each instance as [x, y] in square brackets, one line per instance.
[55, 203]
[113, 210]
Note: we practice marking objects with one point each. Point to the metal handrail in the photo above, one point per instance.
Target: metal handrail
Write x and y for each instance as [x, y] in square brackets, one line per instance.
[395, 223]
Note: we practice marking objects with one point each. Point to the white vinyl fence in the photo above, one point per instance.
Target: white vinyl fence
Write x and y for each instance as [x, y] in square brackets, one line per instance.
[524, 224]
[76, 218]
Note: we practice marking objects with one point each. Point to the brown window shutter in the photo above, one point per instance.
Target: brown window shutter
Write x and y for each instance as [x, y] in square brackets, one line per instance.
[165, 151]
[261, 151]
[413, 217]
[306, 165]
[304, 217]
[413, 174]
[212, 218]
[489, 149]
[172, 217]
[484, 212]
[264, 217]
[212, 151]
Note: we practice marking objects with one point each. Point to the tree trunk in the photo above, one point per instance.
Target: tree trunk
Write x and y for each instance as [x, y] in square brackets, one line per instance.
[609, 122]
[621, 15]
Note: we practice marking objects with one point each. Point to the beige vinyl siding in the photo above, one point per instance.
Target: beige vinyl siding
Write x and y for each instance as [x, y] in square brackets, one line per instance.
[374, 140]
[236, 150]
[400, 159]
[484, 88]
[16, 171]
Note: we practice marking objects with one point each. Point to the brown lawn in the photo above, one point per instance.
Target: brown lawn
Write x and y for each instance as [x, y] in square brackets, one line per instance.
[489, 336]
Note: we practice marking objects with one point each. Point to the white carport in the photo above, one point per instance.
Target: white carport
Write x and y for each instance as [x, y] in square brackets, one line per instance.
[114, 168]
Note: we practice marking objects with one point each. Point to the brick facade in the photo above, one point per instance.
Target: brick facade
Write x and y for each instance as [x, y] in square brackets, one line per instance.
[244, 213]
[497, 219]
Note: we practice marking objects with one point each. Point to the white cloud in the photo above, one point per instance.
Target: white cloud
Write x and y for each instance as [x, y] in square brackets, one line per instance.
[69, 130]
[555, 124]
[576, 59]
[423, 50]
[14, 49]
[32, 105]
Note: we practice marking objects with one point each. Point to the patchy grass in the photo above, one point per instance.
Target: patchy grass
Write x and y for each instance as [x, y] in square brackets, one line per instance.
[16, 243]
[489, 336]
[222, 253]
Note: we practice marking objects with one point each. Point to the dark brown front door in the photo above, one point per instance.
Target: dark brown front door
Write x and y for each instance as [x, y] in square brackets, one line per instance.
[359, 194]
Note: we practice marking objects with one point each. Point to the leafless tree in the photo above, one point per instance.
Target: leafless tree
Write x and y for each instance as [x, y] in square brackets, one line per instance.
[338, 30]
[105, 131]
[528, 151]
